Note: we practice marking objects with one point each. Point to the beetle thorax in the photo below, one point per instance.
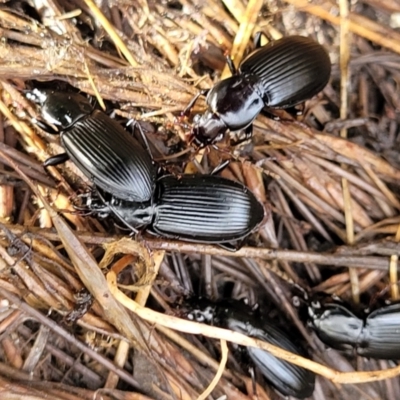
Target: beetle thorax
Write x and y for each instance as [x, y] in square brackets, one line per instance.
[237, 100]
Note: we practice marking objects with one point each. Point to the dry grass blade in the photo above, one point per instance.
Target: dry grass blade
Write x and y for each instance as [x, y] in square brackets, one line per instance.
[213, 384]
[247, 25]
[328, 180]
[111, 31]
[358, 24]
[344, 84]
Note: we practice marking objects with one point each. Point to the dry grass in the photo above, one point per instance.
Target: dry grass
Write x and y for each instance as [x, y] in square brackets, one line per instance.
[329, 183]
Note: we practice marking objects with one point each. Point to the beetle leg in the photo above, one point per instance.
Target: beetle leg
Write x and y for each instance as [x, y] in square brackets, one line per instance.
[114, 210]
[258, 37]
[253, 381]
[135, 124]
[266, 111]
[232, 247]
[46, 127]
[189, 107]
[126, 226]
[296, 110]
[220, 167]
[257, 40]
[56, 160]
[231, 65]
[248, 133]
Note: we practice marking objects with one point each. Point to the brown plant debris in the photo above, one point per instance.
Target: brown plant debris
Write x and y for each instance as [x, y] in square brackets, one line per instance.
[88, 311]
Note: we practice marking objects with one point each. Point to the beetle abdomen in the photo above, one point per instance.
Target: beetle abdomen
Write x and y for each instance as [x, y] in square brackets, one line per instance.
[113, 159]
[381, 335]
[288, 378]
[292, 70]
[206, 209]
[376, 336]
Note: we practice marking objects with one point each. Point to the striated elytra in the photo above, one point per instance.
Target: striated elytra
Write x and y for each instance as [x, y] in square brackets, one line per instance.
[376, 336]
[203, 209]
[206, 209]
[281, 74]
[108, 155]
[287, 378]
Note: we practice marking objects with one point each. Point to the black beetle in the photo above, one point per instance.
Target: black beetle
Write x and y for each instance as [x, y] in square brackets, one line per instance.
[281, 74]
[376, 335]
[203, 209]
[108, 155]
[287, 378]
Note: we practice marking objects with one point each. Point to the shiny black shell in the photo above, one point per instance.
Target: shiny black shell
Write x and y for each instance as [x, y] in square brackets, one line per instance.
[381, 334]
[336, 326]
[237, 100]
[62, 109]
[108, 155]
[376, 336]
[287, 378]
[207, 209]
[281, 74]
[291, 70]
[113, 159]
[202, 209]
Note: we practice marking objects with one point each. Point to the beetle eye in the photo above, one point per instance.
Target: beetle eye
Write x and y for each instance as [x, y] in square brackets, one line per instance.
[36, 96]
[196, 118]
[315, 304]
[198, 316]
[296, 301]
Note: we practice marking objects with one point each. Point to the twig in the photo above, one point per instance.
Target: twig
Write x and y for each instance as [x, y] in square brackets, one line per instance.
[322, 258]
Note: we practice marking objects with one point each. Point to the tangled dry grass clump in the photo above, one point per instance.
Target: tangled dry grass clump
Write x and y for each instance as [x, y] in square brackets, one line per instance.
[87, 311]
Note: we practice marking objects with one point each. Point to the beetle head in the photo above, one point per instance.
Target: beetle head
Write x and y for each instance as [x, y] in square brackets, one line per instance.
[37, 96]
[60, 109]
[208, 129]
[198, 309]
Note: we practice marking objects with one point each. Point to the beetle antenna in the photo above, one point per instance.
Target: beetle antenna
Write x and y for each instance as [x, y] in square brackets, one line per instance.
[135, 124]
[175, 155]
[231, 65]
